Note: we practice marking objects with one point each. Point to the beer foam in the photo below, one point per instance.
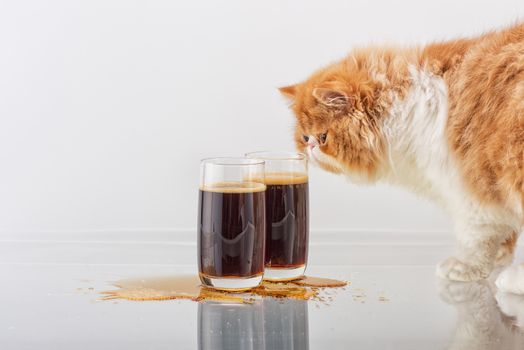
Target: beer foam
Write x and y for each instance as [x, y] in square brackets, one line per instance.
[234, 187]
[283, 178]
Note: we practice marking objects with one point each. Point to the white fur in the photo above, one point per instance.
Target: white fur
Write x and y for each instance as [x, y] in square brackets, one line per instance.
[419, 159]
[316, 157]
[512, 305]
[511, 280]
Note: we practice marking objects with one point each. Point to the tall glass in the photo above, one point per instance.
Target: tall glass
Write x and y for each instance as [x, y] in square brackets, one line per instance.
[287, 214]
[231, 223]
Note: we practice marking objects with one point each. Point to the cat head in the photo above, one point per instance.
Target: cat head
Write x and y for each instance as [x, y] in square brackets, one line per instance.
[338, 114]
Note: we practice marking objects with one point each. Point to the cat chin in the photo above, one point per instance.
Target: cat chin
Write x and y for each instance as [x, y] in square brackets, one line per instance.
[328, 163]
[360, 179]
[316, 157]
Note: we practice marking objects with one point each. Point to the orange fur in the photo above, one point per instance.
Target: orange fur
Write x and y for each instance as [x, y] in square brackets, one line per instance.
[354, 136]
[486, 112]
[485, 128]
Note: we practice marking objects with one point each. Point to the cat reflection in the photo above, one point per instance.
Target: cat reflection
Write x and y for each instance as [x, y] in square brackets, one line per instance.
[485, 321]
[266, 324]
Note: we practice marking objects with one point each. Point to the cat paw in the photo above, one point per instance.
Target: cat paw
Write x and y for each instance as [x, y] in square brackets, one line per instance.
[511, 280]
[455, 270]
[512, 306]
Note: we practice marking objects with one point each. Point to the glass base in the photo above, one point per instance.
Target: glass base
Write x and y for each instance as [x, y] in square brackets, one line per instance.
[231, 283]
[284, 273]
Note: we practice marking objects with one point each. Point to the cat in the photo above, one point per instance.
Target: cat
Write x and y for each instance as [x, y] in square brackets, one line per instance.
[445, 120]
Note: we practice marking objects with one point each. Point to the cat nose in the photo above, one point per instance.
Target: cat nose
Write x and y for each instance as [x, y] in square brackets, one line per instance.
[312, 142]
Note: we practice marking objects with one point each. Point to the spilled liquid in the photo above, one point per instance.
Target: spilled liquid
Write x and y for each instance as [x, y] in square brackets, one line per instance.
[189, 287]
[318, 282]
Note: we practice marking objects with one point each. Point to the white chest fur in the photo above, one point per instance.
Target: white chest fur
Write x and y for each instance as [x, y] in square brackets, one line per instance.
[418, 153]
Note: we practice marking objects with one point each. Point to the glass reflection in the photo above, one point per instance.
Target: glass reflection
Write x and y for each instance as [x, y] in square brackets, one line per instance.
[286, 324]
[484, 320]
[267, 324]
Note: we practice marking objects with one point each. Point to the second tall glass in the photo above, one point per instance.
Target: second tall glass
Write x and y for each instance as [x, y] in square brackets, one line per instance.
[287, 214]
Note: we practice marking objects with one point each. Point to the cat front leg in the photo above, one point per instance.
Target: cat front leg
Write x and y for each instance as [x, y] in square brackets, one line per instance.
[478, 246]
[506, 251]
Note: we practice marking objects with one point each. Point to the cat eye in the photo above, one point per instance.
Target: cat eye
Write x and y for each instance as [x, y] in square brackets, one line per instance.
[306, 138]
[323, 137]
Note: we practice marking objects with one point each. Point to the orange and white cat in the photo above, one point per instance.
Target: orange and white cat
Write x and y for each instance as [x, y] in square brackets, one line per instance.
[445, 120]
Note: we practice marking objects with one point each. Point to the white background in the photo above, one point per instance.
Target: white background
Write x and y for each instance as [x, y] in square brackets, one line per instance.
[106, 107]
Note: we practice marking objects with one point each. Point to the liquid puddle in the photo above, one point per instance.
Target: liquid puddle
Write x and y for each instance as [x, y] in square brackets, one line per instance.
[318, 282]
[189, 287]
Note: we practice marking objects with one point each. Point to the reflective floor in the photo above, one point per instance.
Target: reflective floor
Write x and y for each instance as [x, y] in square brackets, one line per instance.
[49, 300]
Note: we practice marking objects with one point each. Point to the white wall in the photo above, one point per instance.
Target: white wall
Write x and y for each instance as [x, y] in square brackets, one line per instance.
[107, 106]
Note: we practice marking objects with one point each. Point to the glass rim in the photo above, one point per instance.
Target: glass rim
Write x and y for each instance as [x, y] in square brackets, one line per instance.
[231, 161]
[276, 155]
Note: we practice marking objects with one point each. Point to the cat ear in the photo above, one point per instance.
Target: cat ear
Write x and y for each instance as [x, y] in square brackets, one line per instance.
[289, 91]
[331, 98]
